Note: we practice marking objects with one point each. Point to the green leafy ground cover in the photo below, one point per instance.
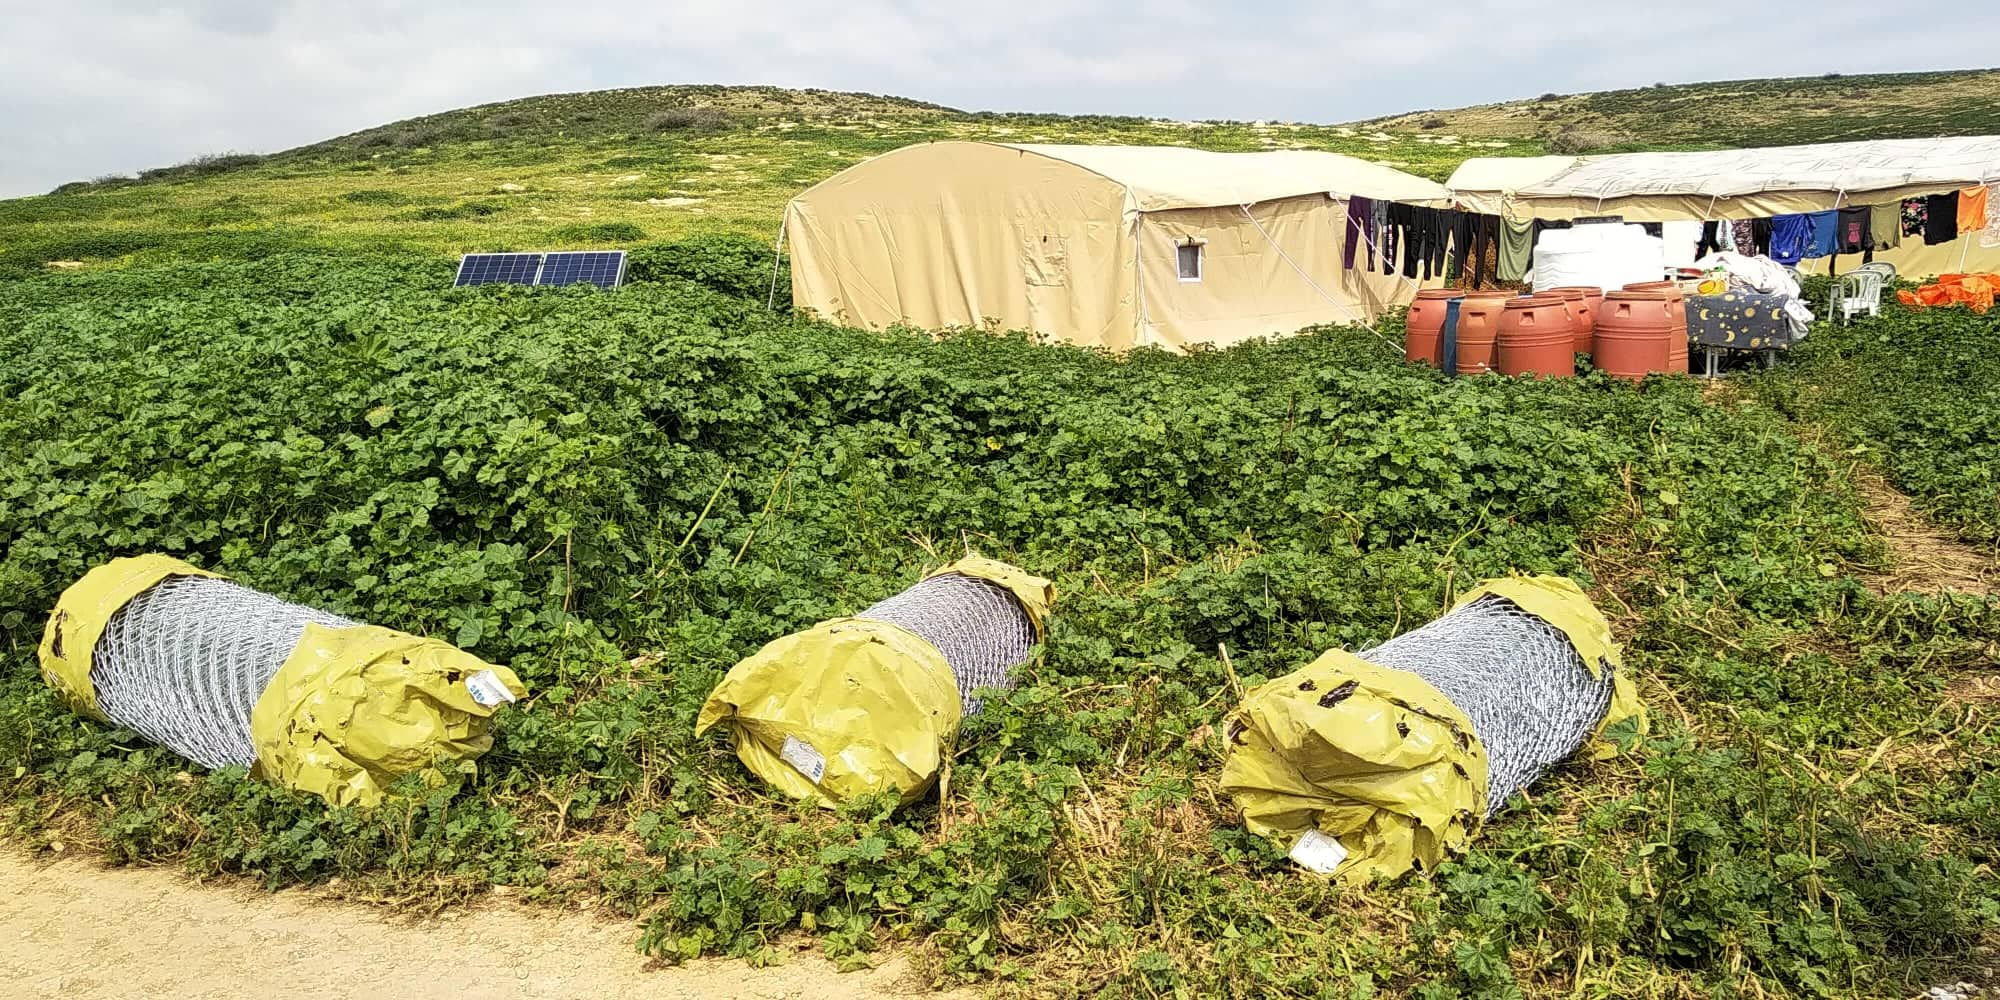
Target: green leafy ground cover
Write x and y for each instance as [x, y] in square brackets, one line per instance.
[1916, 393]
[620, 494]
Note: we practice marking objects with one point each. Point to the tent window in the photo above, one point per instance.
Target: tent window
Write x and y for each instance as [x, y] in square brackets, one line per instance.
[1189, 256]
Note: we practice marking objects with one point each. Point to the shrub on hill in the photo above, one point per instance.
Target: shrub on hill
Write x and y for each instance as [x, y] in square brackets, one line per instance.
[689, 120]
[601, 232]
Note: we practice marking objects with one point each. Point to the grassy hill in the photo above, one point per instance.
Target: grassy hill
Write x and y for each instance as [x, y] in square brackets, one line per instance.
[602, 168]
[621, 166]
[1773, 112]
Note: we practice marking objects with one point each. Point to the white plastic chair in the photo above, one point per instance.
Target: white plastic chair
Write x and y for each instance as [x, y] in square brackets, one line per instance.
[1858, 291]
[1887, 270]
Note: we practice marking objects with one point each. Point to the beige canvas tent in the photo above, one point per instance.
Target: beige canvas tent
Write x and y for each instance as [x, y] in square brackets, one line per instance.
[1107, 246]
[1743, 184]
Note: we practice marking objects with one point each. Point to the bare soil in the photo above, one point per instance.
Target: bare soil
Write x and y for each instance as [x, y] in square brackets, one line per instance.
[77, 931]
[1924, 558]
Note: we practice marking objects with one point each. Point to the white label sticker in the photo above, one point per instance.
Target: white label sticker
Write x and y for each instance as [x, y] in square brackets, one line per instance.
[487, 689]
[802, 756]
[1316, 852]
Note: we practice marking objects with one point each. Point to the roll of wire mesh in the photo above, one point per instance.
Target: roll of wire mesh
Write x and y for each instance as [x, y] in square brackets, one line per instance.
[873, 702]
[1532, 700]
[979, 626]
[229, 676]
[1376, 763]
[184, 662]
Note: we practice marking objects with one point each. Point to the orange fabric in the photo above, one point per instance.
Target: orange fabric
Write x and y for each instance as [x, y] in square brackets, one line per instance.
[1974, 290]
[1971, 209]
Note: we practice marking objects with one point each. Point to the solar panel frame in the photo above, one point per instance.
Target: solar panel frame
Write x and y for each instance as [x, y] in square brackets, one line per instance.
[498, 269]
[603, 268]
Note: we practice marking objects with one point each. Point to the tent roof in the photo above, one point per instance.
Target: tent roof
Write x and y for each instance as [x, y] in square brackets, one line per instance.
[1850, 167]
[1168, 177]
[1505, 173]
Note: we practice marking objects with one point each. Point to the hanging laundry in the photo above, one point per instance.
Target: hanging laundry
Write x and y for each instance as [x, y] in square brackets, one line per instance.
[1790, 237]
[1885, 225]
[1972, 209]
[1915, 212]
[1385, 224]
[1941, 218]
[1743, 233]
[1824, 237]
[1359, 211]
[1712, 239]
[1485, 244]
[1517, 249]
[1851, 234]
[1990, 236]
[1380, 226]
[1439, 224]
[1760, 237]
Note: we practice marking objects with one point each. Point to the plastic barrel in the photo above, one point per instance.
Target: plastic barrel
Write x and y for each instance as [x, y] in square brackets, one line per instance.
[1677, 360]
[1537, 336]
[1634, 333]
[1478, 326]
[1583, 303]
[1420, 339]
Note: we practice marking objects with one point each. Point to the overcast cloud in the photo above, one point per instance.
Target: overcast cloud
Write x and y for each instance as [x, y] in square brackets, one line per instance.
[94, 87]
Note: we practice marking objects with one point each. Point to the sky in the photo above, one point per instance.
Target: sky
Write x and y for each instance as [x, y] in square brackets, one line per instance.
[93, 87]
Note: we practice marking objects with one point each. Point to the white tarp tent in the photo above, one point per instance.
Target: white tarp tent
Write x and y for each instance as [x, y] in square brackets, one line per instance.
[1743, 184]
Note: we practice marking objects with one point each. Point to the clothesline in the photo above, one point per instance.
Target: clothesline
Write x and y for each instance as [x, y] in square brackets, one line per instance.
[1419, 242]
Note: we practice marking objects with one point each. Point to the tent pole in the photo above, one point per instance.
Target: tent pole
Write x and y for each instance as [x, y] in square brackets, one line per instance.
[778, 248]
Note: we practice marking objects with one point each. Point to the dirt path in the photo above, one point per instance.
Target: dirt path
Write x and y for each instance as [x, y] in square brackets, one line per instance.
[1924, 557]
[73, 930]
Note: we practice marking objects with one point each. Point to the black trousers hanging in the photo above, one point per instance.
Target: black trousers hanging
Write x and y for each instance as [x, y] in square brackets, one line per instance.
[1712, 235]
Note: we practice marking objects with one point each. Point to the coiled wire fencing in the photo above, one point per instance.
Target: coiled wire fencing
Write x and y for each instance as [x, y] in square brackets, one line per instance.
[1531, 698]
[184, 663]
[977, 624]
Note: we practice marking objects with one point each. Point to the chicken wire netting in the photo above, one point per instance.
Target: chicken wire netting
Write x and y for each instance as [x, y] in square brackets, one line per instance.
[184, 662]
[1531, 699]
[977, 624]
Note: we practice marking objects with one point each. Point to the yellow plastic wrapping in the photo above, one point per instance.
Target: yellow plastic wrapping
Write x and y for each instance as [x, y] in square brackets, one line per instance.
[1371, 757]
[352, 709]
[1560, 602]
[854, 707]
[1372, 771]
[81, 614]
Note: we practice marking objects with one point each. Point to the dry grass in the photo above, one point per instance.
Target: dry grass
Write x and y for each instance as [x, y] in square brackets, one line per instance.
[1923, 558]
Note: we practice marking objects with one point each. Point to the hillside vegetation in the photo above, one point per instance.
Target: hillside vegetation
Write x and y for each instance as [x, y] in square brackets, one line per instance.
[621, 494]
[617, 167]
[1773, 112]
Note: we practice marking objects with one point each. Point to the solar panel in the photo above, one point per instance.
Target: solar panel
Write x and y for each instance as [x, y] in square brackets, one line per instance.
[498, 269]
[603, 268]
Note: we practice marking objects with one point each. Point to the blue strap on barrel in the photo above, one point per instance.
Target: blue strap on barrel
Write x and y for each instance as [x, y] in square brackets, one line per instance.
[1448, 339]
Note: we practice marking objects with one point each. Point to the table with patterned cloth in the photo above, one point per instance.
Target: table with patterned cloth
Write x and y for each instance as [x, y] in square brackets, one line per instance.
[1739, 321]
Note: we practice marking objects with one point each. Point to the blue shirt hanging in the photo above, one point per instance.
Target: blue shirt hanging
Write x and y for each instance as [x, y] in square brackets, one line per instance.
[1824, 237]
[1790, 235]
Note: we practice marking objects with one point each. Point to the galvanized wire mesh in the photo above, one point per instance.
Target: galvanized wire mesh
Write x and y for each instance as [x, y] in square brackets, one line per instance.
[184, 662]
[1532, 701]
[978, 626]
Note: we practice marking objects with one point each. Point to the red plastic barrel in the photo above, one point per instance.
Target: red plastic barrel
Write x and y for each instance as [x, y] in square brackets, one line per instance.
[1583, 302]
[1677, 308]
[1633, 335]
[1426, 324]
[1537, 337]
[1478, 328]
